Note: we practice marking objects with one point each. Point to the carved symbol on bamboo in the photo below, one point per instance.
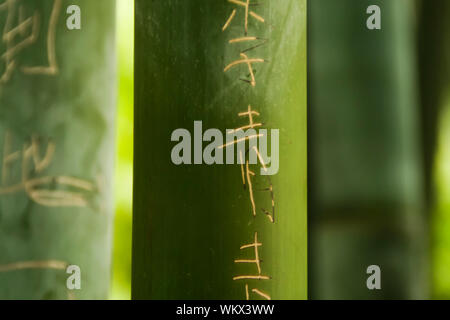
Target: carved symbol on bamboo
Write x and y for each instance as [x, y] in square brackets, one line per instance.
[249, 62]
[248, 39]
[257, 291]
[246, 173]
[36, 265]
[21, 31]
[41, 189]
[246, 4]
[257, 261]
[250, 113]
[249, 175]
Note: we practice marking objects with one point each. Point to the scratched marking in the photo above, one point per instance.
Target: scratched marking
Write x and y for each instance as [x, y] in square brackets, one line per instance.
[242, 39]
[21, 32]
[52, 68]
[255, 245]
[246, 4]
[250, 113]
[244, 58]
[262, 294]
[249, 62]
[260, 158]
[37, 187]
[246, 173]
[49, 264]
[250, 188]
[258, 292]
[248, 39]
[35, 265]
[270, 216]
[254, 136]
[242, 167]
[227, 24]
[251, 277]
[257, 261]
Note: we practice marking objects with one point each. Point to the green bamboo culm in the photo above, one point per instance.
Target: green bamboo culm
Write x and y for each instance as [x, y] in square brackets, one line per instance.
[434, 64]
[57, 115]
[366, 186]
[190, 221]
[434, 54]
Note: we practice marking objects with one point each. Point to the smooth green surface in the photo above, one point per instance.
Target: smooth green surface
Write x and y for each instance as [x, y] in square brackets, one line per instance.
[74, 110]
[189, 221]
[366, 187]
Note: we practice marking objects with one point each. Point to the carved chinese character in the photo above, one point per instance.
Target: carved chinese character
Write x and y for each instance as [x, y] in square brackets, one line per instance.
[249, 63]
[50, 191]
[248, 13]
[21, 30]
[246, 173]
[257, 261]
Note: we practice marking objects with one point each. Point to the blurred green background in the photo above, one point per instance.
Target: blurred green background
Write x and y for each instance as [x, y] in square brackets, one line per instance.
[378, 149]
[121, 284]
[441, 218]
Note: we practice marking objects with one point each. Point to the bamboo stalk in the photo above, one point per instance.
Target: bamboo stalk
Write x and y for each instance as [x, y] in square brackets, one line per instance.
[219, 231]
[57, 114]
[366, 190]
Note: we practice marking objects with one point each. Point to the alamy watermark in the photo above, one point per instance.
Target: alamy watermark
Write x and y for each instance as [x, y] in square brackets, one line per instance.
[374, 280]
[236, 147]
[374, 20]
[73, 282]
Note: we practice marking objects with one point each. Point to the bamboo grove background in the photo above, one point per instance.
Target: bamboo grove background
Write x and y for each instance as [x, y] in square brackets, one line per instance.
[378, 141]
[56, 193]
